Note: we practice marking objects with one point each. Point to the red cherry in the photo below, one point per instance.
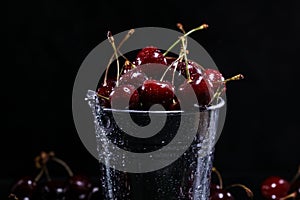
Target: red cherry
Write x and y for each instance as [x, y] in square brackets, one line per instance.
[24, 188]
[274, 187]
[221, 194]
[95, 194]
[150, 54]
[53, 190]
[104, 91]
[78, 188]
[156, 92]
[198, 87]
[215, 79]
[135, 77]
[193, 67]
[125, 97]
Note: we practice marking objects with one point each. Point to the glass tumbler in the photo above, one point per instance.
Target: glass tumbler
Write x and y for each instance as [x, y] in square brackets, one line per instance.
[182, 171]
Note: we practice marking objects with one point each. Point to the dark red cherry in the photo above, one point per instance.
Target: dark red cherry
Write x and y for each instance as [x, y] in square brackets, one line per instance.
[156, 92]
[135, 77]
[214, 187]
[215, 79]
[95, 194]
[198, 88]
[78, 188]
[53, 190]
[221, 194]
[274, 187]
[24, 188]
[104, 90]
[175, 105]
[125, 97]
[150, 54]
[193, 68]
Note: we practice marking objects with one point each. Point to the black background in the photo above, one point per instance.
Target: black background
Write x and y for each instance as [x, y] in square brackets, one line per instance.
[46, 42]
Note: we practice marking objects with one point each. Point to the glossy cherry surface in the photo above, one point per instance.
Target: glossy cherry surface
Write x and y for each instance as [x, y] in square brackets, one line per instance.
[150, 54]
[156, 92]
[198, 88]
[221, 194]
[78, 188]
[214, 78]
[274, 187]
[53, 190]
[24, 188]
[125, 97]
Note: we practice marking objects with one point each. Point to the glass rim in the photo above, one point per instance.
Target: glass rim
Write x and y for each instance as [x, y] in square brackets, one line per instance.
[220, 104]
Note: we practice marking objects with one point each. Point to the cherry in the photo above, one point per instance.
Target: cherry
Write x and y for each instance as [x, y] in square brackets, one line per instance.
[198, 87]
[193, 68]
[103, 92]
[78, 187]
[125, 97]
[95, 194]
[156, 92]
[215, 79]
[274, 187]
[24, 188]
[53, 190]
[135, 77]
[223, 194]
[150, 54]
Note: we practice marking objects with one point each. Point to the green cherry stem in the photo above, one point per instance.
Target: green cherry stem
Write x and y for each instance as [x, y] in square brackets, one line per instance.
[103, 97]
[165, 72]
[289, 196]
[187, 71]
[180, 27]
[40, 174]
[112, 42]
[219, 176]
[247, 190]
[203, 26]
[64, 164]
[129, 33]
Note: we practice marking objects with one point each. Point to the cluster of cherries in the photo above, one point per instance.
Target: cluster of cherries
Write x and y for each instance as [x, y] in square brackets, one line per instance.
[44, 187]
[218, 192]
[136, 87]
[278, 188]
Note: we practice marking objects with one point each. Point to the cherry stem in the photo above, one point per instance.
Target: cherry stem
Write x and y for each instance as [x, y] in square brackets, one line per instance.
[234, 78]
[48, 177]
[297, 175]
[130, 32]
[64, 164]
[247, 190]
[186, 60]
[219, 91]
[112, 42]
[103, 97]
[203, 26]
[180, 27]
[292, 195]
[219, 176]
[165, 72]
[13, 197]
[216, 95]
